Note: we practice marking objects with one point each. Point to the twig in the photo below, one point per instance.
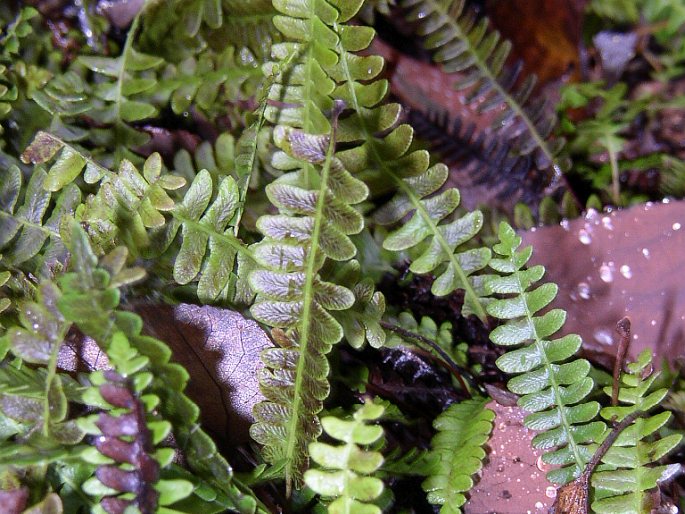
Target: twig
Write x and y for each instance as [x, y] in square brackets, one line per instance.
[458, 371]
[623, 330]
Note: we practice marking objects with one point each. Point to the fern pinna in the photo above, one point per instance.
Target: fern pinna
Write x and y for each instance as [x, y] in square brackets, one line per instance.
[624, 480]
[345, 477]
[463, 429]
[463, 44]
[553, 386]
[315, 199]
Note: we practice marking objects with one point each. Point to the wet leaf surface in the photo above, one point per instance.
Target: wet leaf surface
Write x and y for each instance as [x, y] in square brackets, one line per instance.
[513, 478]
[625, 263]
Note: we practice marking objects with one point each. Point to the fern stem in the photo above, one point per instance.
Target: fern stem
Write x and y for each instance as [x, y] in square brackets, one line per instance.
[416, 202]
[231, 241]
[615, 185]
[458, 372]
[50, 377]
[31, 224]
[118, 96]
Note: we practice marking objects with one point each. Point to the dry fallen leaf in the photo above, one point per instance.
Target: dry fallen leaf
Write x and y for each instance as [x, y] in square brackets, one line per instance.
[219, 349]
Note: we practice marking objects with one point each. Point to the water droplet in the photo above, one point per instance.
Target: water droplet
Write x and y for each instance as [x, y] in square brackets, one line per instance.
[606, 222]
[676, 226]
[653, 322]
[584, 291]
[645, 252]
[584, 236]
[635, 337]
[564, 224]
[592, 216]
[551, 492]
[604, 336]
[539, 505]
[626, 271]
[606, 272]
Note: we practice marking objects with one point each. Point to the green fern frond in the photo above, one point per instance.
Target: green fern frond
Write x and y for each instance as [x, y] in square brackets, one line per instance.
[25, 233]
[466, 45]
[10, 40]
[210, 81]
[315, 198]
[208, 246]
[361, 322]
[435, 240]
[623, 481]
[70, 162]
[462, 430]
[553, 387]
[249, 27]
[92, 304]
[347, 468]
[217, 158]
[37, 341]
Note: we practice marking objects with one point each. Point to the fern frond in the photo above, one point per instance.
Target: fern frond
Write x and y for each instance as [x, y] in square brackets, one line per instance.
[462, 430]
[210, 81]
[10, 38]
[553, 388]
[315, 199]
[345, 478]
[37, 341]
[361, 322]
[434, 238]
[126, 434]
[623, 481]
[208, 246]
[479, 158]
[90, 302]
[466, 45]
[25, 233]
[120, 96]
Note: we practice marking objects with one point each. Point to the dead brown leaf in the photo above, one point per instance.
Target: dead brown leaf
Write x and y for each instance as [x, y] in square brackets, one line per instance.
[219, 349]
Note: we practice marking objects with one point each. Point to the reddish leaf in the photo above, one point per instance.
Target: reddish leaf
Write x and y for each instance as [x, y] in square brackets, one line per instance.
[626, 263]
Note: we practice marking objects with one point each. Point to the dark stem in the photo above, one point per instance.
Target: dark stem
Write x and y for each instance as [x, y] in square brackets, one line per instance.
[458, 372]
[610, 440]
[623, 330]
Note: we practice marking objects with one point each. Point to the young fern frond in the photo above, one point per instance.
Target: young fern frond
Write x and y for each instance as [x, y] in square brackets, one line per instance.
[345, 477]
[430, 234]
[552, 387]
[623, 481]
[462, 430]
[315, 199]
[466, 45]
[24, 233]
